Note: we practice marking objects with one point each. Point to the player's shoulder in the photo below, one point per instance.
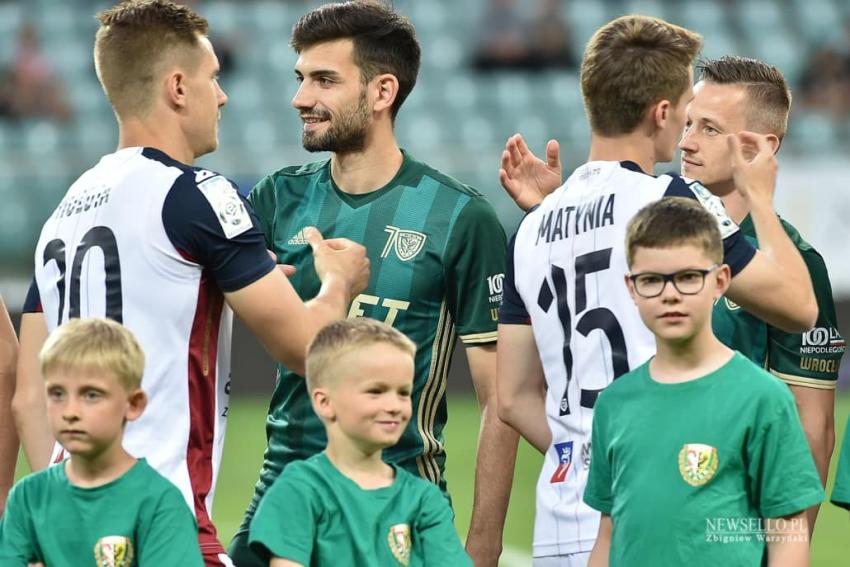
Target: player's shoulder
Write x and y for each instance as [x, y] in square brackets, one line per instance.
[803, 245]
[304, 170]
[415, 171]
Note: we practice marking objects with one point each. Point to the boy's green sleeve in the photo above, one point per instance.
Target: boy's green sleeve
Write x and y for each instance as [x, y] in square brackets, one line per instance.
[436, 534]
[598, 493]
[841, 490]
[782, 475]
[285, 523]
[18, 547]
[170, 536]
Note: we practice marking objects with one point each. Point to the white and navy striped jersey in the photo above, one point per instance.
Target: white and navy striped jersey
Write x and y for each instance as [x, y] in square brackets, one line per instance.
[565, 277]
[152, 243]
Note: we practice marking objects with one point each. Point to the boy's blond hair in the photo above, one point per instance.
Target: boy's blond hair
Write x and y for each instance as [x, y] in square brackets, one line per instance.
[342, 337]
[630, 64]
[95, 344]
[674, 221]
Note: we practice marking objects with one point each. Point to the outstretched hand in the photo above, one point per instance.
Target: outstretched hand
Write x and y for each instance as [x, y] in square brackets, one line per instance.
[754, 167]
[526, 177]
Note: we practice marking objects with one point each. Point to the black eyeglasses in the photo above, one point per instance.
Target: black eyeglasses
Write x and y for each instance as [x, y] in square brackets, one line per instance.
[686, 282]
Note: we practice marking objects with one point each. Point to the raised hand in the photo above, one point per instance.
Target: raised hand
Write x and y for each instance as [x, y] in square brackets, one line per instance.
[754, 167]
[526, 177]
[339, 256]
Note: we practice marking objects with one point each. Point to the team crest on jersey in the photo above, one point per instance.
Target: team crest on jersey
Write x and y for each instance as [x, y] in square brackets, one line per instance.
[565, 460]
[406, 243]
[399, 541]
[228, 207]
[698, 463]
[113, 551]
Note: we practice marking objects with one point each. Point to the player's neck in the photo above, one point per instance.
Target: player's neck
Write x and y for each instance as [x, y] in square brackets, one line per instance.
[634, 147]
[365, 171]
[101, 469]
[159, 134]
[686, 360]
[366, 469]
[736, 206]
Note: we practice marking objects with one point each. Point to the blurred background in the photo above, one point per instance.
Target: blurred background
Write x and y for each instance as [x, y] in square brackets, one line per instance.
[489, 68]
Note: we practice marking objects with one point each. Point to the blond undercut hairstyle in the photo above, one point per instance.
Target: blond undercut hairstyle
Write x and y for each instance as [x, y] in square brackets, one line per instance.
[674, 221]
[135, 40]
[340, 338]
[630, 64]
[768, 95]
[95, 344]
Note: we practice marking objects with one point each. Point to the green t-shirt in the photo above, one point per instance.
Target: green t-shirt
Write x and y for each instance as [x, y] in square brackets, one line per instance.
[437, 253]
[841, 489]
[137, 520]
[808, 359]
[316, 516]
[688, 470]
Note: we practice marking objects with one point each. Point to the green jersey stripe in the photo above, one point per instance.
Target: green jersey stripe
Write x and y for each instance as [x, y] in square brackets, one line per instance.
[429, 398]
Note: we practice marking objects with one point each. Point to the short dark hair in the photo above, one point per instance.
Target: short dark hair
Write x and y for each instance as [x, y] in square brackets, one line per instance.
[674, 221]
[384, 41]
[768, 95]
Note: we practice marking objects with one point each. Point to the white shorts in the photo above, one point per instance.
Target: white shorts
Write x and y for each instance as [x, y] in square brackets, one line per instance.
[571, 560]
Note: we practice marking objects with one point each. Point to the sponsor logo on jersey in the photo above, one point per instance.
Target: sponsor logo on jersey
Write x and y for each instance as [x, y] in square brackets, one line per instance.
[495, 283]
[298, 239]
[393, 306]
[714, 205]
[399, 541]
[585, 455]
[819, 365]
[113, 551]
[698, 463]
[565, 459]
[231, 213]
[406, 243]
[822, 340]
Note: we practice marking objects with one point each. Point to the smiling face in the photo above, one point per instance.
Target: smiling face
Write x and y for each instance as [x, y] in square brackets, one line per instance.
[715, 112]
[367, 399]
[331, 98]
[674, 316]
[87, 410]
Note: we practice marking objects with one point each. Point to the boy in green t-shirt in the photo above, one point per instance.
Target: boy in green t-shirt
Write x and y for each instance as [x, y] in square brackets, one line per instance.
[346, 506]
[101, 506]
[698, 454]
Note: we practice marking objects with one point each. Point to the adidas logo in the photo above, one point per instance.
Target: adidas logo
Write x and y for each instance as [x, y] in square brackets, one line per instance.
[298, 239]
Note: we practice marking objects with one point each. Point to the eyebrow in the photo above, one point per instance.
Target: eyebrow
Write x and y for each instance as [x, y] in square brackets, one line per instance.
[319, 73]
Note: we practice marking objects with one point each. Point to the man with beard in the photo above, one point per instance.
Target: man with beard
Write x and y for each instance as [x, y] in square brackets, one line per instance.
[436, 249]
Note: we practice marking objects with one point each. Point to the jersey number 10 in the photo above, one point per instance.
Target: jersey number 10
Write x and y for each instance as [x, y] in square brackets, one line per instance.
[600, 318]
[97, 237]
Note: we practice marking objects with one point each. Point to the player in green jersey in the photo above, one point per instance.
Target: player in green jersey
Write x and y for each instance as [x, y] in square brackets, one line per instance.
[345, 506]
[101, 506]
[841, 489]
[735, 94]
[697, 453]
[435, 246]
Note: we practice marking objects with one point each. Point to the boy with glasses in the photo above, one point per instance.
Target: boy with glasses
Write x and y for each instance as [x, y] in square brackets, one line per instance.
[698, 452]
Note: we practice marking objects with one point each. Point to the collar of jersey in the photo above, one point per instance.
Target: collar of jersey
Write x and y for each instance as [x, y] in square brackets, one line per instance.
[632, 166]
[355, 201]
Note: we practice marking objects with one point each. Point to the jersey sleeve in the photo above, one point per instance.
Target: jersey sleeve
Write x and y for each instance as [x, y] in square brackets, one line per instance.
[475, 270]
[171, 534]
[781, 472]
[512, 310]
[214, 226]
[32, 303]
[286, 519]
[841, 489]
[18, 547]
[599, 491]
[737, 251]
[436, 532]
[263, 200]
[809, 359]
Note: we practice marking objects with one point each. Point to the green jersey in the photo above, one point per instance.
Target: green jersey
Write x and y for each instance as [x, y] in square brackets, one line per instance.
[137, 520]
[841, 489]
[437, 253]
[808, 359]
[689, 470]
[315, 515]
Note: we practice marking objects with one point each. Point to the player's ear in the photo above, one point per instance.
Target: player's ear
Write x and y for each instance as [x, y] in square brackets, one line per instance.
[385, 89]
[631, 287]
[660, 112]
[137, 401]
[175, 89]
[773, 141]
[322, 404]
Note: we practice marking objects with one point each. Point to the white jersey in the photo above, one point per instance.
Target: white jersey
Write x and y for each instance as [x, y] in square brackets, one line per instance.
[153, 243]
[565, 276]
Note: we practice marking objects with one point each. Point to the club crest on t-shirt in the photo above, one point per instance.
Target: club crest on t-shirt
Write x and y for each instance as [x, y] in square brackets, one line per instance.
[113, 551]
[406, 243]
[398, 539]
[698, 463]
[565, 459]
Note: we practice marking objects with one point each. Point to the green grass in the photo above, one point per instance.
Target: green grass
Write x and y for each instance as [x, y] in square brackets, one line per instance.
[246, 441]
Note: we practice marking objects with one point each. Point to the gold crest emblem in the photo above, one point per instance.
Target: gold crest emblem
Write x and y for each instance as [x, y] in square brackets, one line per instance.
[113, 551]
[406, 243]
[398, 539]
[698, 463]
